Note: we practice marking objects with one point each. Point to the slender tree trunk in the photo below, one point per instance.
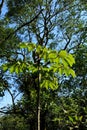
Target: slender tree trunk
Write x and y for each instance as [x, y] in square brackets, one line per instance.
[38, 109]
[38, 100]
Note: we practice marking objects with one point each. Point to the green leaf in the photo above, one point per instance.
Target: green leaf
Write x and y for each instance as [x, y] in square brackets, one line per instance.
[17, 70]
[52, 54]
[45, 57]
[80, 118]
[65, 64]
[62, 54]
[49, 84]
[23, 45]
[60, 71]
[5, 67]
[76, 117]
[66, 71]
[72, 72]
[31, 47]
[70, 118]
[71, 58]
[69, 61]
[12, 68]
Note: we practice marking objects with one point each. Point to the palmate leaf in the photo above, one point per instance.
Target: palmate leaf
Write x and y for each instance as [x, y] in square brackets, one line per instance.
[72, 72]
[29, 46]
[64, 63]
[45, 57]
[12, 68]
[48, 84]
[60, 71]
[70, 60]
[52, 54]
[59, 63]
[23, 45]
[62, 54]
[16, 67]
[5, 67]
[32, 68]
[67, 71]
[65, 57]
[49, 80]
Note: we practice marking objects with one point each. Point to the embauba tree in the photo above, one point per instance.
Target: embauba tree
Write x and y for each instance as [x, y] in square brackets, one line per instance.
[45, 64]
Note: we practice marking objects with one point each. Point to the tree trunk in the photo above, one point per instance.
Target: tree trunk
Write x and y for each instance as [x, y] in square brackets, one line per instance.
[38, 109]
[38, 100]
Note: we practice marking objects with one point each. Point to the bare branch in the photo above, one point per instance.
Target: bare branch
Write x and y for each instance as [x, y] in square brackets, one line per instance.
[1, 5]
[67, 43]
[11, 97]
[21, 26]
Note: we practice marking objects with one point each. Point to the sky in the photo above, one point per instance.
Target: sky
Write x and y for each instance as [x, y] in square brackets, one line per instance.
[4, 101]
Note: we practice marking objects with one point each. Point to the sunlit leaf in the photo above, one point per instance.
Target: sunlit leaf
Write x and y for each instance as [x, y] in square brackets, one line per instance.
[72, 72]
[5, 67]
[62, 54]
[70, 118]
[12, 69]
[80, 118]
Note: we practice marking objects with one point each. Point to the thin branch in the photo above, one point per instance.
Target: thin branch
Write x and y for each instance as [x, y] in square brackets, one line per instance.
[17, 95]
[21, 26]
[11, 97]
[1, 5]
[4, 112]
[75, 47]
[67, 43]
[61, 10]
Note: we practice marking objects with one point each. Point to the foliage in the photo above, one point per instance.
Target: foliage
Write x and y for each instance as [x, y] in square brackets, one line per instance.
[51, 62]
[13, 122]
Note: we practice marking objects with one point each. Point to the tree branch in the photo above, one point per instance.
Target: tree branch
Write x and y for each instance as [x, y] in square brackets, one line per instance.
[1, 5]
[11, 97]
[21, 26]
[67, 43]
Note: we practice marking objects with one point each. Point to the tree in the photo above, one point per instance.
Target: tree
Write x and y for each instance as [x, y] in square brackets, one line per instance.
[44, 65]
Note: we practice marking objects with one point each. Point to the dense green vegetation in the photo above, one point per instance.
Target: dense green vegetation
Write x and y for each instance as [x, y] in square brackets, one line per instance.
[43, 58]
